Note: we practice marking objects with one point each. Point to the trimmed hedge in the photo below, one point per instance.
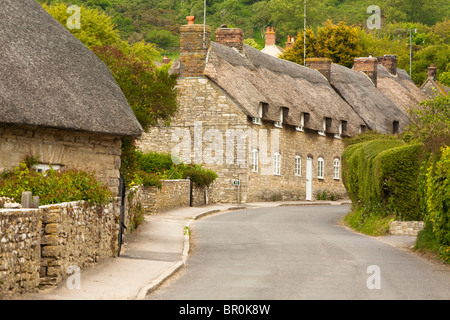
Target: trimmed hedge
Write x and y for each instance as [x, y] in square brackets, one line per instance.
[396, 172]
[381, 177]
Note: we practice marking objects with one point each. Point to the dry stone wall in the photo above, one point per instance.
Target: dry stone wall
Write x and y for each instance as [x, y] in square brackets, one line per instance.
[19, 250]
[75, 234]
[38, 247]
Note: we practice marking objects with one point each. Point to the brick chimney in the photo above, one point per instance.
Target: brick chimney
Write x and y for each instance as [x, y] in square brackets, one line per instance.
[289, 43]
[432, 72]
[231, 37]
[369, 66]
[323, 65]
[166, 60]
[389, 61]
[270, 37]
[193, 50]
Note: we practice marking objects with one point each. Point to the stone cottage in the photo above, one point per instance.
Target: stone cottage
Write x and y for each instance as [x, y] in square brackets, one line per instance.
[58, 101]
[271, 129]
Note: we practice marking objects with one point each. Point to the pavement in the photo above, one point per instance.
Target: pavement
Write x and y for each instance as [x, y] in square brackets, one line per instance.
[151, 254]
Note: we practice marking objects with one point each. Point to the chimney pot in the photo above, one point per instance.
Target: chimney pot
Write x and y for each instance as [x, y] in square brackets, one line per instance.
[432, 72]
[190, 19]
[270, 37]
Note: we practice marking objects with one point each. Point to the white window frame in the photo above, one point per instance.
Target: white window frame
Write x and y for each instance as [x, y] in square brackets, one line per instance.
[302, 123]
[320, 168]
[277, 164]
[258, 119]
[279, 124]
[44, 167]
[298, 166]
[255, 160]
[336, 169]
[324, 127]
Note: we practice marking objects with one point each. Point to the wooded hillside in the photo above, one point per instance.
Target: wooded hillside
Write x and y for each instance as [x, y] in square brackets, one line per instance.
[158, 21]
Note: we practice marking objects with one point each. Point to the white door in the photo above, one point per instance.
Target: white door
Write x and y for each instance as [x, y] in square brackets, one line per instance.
[309, 179]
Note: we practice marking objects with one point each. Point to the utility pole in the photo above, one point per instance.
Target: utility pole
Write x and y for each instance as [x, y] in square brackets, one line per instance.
[204, 25]
[304, 34]
[410, 47]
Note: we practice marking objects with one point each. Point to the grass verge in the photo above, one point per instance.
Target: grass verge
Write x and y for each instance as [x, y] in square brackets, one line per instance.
[372, 225]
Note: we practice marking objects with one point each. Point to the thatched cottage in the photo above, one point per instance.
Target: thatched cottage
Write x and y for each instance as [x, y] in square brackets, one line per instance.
[270, 128]
[58, 101]
[431, 88]
[271, 125]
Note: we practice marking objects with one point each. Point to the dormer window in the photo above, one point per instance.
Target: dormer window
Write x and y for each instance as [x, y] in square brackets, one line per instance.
[279, 124]
[324, 126]
[342, 129]
[257, 120]
[302, 123]
[362, 128]
[395, 127]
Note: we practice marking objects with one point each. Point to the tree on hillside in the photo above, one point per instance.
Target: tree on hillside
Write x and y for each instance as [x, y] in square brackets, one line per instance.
[338, 42]
[96, 29]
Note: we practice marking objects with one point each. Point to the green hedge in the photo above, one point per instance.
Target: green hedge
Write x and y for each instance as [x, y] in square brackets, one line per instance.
[396, 172]
[438, 197]
[358, 173]
[381, 177]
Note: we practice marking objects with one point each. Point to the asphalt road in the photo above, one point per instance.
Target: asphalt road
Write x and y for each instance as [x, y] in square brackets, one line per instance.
[301, 252]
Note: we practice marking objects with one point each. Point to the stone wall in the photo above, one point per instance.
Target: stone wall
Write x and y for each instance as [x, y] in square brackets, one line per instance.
[173, 194]
[406, 228]
[71, 149]
[39, 246]
[75, 234]
[19, 250]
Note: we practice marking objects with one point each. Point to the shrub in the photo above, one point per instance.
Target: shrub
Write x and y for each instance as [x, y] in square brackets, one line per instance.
[54, 186]
[200, 176]
[438, 197]
[153, 167]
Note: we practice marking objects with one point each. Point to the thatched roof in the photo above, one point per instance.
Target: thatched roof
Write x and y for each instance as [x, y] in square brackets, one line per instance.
[377, 110]
[49, 78]
[256, 77]
[399, 88]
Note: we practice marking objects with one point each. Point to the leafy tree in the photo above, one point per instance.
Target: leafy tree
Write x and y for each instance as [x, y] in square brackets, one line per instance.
[96, 29]
[338, 42]
[431, 120]
[252, 43]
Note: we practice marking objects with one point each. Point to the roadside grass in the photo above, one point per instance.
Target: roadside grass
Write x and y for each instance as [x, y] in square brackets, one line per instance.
[427, 243]
[377, 225]
[372, 225]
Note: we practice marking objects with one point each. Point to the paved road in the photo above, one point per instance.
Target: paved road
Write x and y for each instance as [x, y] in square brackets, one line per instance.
[298, 252]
